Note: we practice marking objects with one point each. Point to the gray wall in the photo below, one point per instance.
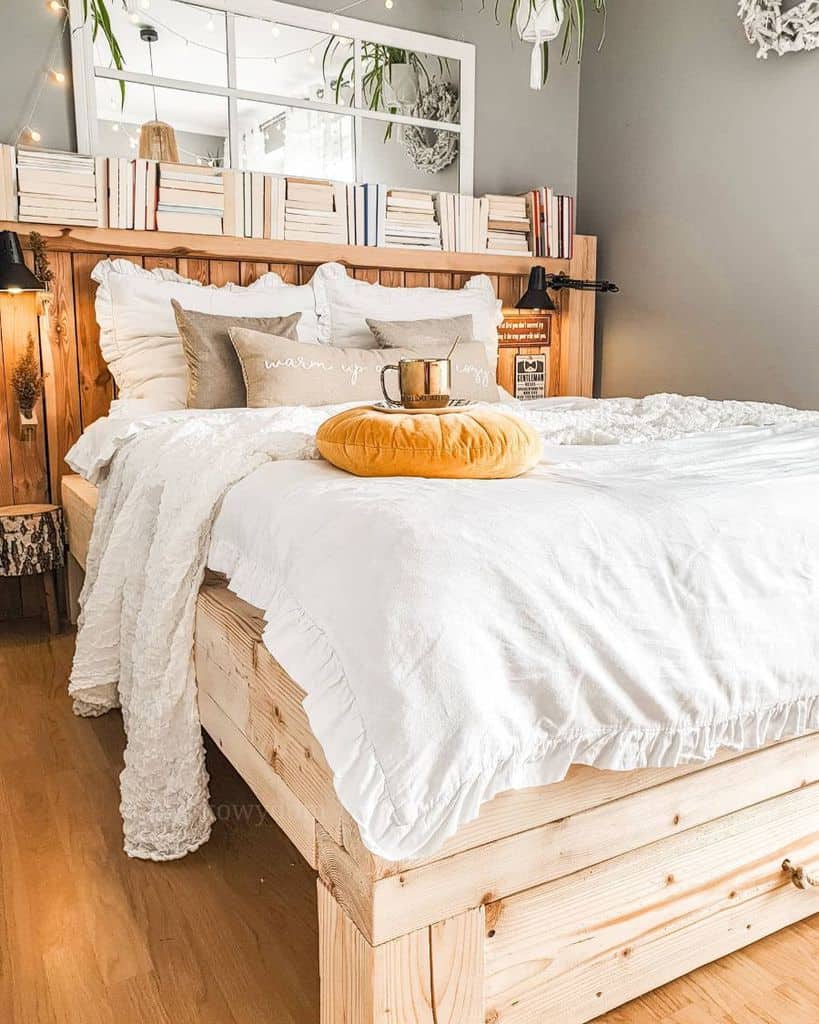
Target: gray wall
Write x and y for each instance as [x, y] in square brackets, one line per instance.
[698, 170]
[523, 138]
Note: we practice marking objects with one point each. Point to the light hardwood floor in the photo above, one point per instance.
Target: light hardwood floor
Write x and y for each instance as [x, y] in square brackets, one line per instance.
[227, 935]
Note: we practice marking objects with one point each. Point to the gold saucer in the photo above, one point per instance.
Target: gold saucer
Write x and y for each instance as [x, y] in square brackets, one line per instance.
[456, 405]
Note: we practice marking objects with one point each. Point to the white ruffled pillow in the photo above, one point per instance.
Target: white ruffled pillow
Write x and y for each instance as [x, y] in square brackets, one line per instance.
[139, 338]
[344, 304]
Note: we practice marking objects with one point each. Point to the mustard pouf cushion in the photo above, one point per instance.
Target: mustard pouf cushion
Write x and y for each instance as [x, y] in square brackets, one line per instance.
[483, 443]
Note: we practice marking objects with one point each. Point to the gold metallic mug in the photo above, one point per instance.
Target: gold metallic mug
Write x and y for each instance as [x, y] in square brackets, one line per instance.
[424, 383]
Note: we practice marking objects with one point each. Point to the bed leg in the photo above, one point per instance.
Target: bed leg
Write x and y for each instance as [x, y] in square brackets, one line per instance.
[431, 976]
[75, 577]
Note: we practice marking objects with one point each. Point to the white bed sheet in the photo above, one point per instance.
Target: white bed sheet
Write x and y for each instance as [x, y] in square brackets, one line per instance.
[642, 598]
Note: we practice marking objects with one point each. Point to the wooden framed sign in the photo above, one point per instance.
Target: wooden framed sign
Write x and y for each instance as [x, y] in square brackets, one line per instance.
[526, 330]
[530, 376]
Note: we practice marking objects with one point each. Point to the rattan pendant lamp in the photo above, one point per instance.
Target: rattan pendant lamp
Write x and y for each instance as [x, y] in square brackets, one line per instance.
[157, 139]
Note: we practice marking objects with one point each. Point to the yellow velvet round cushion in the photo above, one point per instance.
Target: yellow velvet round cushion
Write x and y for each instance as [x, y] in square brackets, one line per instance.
[483, 443]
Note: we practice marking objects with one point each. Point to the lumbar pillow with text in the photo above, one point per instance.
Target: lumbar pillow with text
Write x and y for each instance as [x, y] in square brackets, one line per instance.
[215, 378]
[472, 376]
[344, 305]
[139, 338]
[281, 372]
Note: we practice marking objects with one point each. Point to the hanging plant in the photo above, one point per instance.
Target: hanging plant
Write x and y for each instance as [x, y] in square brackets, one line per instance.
[541, 21]
[392, 78]
[26, 380]
[97, 10]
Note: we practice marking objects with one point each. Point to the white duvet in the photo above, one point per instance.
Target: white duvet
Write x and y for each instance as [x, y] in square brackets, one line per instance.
[647, 595]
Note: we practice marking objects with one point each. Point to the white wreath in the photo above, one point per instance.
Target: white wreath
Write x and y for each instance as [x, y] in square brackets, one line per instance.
[769, 28]
[431, 150]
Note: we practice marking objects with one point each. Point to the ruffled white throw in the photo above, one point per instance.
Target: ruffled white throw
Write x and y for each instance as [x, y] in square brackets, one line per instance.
[645, 596]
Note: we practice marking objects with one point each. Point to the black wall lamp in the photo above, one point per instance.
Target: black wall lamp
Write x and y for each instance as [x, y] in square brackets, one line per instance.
[537, 295]
[15, 277]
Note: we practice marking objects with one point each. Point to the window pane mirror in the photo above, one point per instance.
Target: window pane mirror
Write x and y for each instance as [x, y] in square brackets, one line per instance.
[269, 86]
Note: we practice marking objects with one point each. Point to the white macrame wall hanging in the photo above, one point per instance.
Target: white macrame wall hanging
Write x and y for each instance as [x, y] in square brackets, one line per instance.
[770, 28]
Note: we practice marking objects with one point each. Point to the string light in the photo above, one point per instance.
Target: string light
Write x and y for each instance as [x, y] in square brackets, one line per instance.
[335, 25]
[33, 134]
[58, 76]
[275, 31]
[55, 6]
[389, 4]
[211, 25]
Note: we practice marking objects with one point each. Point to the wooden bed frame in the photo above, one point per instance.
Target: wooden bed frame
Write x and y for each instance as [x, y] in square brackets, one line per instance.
[558, 902]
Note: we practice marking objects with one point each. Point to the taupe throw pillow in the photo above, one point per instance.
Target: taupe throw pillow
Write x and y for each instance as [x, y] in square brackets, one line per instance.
[472, 377]
[280, 372]
[422, 335]
[215, 378]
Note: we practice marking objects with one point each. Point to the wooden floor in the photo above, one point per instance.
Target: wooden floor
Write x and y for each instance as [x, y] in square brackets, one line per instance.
[87, 935]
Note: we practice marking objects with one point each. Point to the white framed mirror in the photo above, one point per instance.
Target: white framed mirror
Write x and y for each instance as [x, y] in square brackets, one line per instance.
[267, 86]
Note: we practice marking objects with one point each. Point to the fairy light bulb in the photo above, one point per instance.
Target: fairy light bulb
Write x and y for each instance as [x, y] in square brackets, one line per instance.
[389, 4]
[115, 127]
[55, 6]
[58, 76]
[34, 135]
[311, 58]
[336, 25]
[275, 31]
[211, 25]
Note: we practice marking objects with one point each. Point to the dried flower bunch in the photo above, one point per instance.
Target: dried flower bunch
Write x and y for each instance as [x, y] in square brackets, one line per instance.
[42, 268]
[26, 379]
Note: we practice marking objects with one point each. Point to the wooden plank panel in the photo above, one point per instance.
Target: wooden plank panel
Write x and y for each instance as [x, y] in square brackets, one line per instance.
[292, 817]
[368, 274]
[416, 278]
[250, 272]
[577, 336]
[6, 486]
[288, 272]
[444, 888]
[60, 364]
[196, 270]
[346, 965]
[159, 262]
[510, 289]
[392, 278]
[441, 280]
[18, 322]
[579, 946]
[224, 272]
[457, 968]
[306, 272]
[96, 382]
[506, 368]
[402, 982]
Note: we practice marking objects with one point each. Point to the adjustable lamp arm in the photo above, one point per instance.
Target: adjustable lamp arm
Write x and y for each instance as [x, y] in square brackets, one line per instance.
[558, 281]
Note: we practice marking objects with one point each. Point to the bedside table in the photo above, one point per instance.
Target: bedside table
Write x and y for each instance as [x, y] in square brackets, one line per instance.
[32, 543]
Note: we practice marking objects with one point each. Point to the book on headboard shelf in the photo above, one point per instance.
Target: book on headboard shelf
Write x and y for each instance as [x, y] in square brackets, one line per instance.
[120, 192]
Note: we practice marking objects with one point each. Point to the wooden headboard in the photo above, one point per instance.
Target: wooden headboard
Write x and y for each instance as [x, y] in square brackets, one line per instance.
[78, 387]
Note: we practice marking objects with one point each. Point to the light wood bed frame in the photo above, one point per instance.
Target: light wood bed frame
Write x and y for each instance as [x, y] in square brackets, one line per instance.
[557, 903]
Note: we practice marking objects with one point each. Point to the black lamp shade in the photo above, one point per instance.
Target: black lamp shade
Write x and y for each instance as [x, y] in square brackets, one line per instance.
[14, 274]
[536, 295]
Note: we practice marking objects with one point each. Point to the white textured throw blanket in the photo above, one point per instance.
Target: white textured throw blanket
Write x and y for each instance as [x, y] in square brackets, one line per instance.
[641, 598]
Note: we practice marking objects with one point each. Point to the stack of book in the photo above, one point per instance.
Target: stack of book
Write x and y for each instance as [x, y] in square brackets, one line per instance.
[315, 211]
[8, 183]
[191, 199]
[552, 218]
[409, 220]
[57, 188]
[509, 226]
[127, 191]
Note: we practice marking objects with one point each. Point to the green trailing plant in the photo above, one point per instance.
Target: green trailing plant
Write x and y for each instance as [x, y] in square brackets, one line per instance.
[100, 16]
[377, 62]
[26, 379]
[574, 25]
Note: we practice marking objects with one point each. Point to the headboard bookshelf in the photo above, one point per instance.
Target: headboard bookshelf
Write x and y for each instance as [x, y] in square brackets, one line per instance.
[78, 387]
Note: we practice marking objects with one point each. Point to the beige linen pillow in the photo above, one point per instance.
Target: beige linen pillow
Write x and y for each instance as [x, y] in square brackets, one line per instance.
[215, 378]
[422, 335]
[281, 372]
[472, 377]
